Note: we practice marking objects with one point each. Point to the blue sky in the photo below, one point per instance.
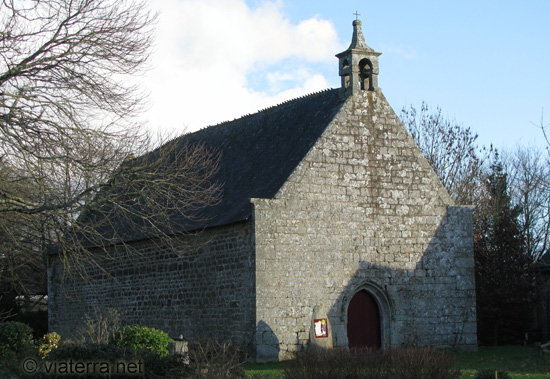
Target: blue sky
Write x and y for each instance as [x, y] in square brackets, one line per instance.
[485, 63]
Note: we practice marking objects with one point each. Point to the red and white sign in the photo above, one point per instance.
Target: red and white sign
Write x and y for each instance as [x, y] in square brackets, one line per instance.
[321, 328]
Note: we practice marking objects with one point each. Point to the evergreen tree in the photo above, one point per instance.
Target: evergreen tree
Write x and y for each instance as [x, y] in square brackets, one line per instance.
[504, 270]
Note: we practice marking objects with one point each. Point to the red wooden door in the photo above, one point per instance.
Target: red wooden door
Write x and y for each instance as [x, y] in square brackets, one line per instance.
[363, 322]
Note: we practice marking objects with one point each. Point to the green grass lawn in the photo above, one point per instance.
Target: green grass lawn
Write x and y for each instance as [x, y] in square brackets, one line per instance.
[518, 361]
[270, 370]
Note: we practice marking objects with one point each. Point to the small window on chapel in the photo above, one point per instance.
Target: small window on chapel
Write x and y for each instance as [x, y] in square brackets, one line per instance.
[345, 63]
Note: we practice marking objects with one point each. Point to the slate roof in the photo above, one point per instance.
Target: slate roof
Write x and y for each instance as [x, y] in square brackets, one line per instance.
[260, 151]
[258, 154]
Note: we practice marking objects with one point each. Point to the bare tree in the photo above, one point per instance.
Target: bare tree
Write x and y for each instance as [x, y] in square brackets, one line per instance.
[66, 105]
[68, 132]
[156, 196]
[544, 128]
[22, 265]
[529, 176]
[450, 149]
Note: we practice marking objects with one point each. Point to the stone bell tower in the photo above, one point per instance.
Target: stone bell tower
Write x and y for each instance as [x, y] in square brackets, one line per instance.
[358, 64]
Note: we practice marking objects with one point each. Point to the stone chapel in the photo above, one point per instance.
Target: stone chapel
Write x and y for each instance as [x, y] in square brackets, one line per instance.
[333, 231]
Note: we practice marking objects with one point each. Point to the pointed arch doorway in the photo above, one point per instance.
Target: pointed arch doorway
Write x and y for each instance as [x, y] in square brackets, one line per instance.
[363, 322]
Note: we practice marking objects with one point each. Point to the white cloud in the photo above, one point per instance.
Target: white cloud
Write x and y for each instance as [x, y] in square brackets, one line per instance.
[206, 49]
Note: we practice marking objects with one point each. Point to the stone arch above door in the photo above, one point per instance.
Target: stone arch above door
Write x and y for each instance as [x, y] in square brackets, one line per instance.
[384, 307]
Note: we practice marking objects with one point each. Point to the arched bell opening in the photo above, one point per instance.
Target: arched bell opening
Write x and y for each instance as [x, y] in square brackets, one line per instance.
[345, 63]
[365, 74]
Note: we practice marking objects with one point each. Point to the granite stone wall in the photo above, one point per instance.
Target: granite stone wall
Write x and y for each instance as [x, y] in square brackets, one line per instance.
[363, 210]
[199, 285]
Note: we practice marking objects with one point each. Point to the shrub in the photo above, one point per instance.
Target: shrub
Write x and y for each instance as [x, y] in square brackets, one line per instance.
[139, 338]
[491, 374]
[336, 363]
[67, 352]
[36, 319]
[215, 359]
[15, 339]
[153, 364]
[413, 363]
[208, 359]
[169, 366]
[87, 352]
[101, 326]
[47, 343]
[367, 364]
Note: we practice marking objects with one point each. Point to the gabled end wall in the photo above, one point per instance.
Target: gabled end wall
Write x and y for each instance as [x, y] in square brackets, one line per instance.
[364, 206]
